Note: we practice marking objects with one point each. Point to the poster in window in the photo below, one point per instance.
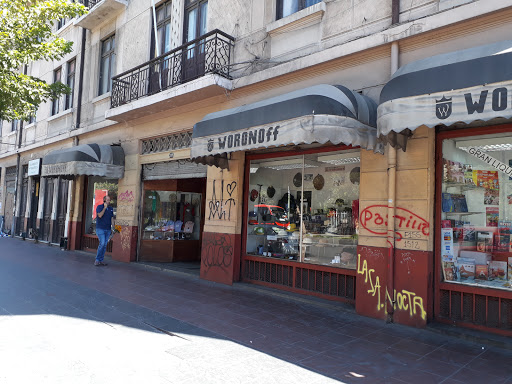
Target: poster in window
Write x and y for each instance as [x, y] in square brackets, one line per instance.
[491, 197]
[492, 215]
[487, 179]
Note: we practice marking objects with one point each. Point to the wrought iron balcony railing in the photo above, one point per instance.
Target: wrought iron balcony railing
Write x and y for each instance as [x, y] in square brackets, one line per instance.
[89, 3]
[210, 53]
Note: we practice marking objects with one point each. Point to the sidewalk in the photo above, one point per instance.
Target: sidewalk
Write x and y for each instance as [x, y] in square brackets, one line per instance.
[323, 337]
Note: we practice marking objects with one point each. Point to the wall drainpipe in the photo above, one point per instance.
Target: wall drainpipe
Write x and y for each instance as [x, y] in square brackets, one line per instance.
[390, 286]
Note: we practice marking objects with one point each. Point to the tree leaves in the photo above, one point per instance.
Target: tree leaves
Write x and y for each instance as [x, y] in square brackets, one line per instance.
[26, 36]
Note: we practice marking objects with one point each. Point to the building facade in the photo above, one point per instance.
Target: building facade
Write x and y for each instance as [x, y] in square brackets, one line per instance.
[348, 151]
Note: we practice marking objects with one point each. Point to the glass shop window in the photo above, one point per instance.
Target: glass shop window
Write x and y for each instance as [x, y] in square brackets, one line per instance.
[98, 187]
[171, 215]
[476, 218]
[305, 208]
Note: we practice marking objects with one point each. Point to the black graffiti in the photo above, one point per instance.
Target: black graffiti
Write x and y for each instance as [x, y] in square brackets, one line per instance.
[220, 208]
[217, 251]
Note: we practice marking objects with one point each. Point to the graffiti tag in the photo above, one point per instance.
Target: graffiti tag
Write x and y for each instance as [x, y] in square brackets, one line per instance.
[220, 208]
[126, 196]
[403, 300]
[415, 225]
[218, 251]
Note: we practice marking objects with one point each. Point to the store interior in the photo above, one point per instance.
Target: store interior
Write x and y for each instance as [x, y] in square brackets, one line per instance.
[476, 218]
[327, 184]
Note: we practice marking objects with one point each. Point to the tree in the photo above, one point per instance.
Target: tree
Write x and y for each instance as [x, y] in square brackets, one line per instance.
[26, 36]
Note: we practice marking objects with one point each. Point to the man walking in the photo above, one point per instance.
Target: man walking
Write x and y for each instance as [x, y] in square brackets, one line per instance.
[104, 222]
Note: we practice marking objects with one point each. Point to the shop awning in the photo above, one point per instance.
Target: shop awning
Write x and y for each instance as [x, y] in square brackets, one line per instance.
[319, 114]
[88, 159]
[459, 87]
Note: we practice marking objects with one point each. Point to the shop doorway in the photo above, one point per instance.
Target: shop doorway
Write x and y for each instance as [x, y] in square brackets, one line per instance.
[10, 183]
[62, 207]
[172, 215]
[47, 210]
[34, 204]
[20, 219]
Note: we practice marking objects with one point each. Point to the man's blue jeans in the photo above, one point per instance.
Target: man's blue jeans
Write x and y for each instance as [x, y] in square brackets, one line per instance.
[103, 235]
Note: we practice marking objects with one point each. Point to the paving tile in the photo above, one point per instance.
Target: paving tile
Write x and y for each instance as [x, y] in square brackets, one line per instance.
[322, 363]
[412, 346]
[381, 337]
[497, 355]
[451, 357]
[501, 368]
[471, 376]
[416, 376]
[435, 366]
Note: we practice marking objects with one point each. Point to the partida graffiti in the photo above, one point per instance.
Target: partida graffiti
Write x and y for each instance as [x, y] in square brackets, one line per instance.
[402, 300]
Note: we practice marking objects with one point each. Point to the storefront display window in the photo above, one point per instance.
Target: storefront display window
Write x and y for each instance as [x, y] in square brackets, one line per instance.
[98, 187]
[305, 208]
[171, 215]
[476, 212]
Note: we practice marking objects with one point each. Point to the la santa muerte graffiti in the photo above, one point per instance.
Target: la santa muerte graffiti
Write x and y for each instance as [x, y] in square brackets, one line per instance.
[402, 300]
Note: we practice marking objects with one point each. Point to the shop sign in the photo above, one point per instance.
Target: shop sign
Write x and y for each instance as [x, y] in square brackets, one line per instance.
[483, 102]
[495, 163]
[34, 167]
[55, 169]
[241, 141]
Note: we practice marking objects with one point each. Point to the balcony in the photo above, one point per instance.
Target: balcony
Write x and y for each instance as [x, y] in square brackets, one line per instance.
[196, 70]
[99, 12]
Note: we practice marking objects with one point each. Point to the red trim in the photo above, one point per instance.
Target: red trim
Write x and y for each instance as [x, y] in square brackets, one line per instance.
[301, 291]
[467, 288]
[438, 283]
[502, 332]
[316, 267]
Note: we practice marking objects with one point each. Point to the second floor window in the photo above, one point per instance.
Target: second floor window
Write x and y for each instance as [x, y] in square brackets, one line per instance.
[196, 12]
[287, 7]
[32, 119]
[57, 77]
[70, 82]
[163, 29]
[14, 125]
[107, 64]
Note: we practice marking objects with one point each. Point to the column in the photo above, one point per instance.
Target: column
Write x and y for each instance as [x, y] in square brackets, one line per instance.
[221, 245]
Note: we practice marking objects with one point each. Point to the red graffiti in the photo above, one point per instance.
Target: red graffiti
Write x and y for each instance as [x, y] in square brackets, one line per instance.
[404, 220]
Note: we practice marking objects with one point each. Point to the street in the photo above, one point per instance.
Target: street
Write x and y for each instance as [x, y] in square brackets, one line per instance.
[65, 321]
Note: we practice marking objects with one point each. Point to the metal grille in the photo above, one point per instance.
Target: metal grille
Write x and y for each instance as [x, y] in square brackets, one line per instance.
[10, 174]
[269, 273]
[90, 3]
[484, 310]
[90, 243]
[209, 53]
[309, 279]
[166, 143]
[326, 283]
[178, 169]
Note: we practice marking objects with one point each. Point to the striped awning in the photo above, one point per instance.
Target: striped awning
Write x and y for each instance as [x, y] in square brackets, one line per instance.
[319, 114]
[87, 159]
[464, 87]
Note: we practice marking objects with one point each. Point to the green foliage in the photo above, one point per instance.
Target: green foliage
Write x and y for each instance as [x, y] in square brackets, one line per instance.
[26, 36]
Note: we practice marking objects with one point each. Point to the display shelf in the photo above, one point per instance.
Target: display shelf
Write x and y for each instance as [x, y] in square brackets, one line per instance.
[463, 213]
[462, 185]
[505, 285]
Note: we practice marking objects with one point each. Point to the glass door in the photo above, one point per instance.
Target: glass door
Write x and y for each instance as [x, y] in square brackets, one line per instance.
[196, 14]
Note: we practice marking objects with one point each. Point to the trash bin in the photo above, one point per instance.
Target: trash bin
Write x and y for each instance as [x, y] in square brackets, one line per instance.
[64, 243]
